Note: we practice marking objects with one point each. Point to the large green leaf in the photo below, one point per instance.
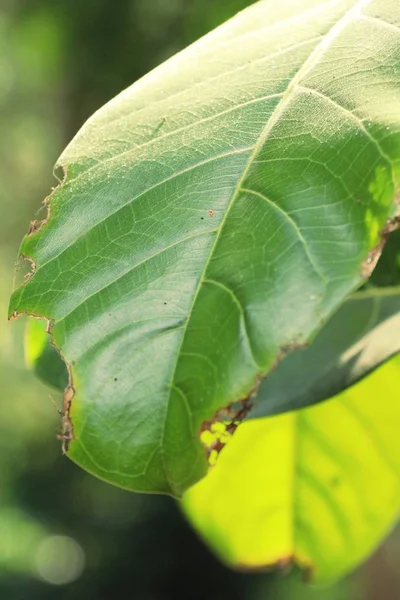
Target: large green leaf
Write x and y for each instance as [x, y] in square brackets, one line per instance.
[211, 215]
[319, 487]
[360, 336]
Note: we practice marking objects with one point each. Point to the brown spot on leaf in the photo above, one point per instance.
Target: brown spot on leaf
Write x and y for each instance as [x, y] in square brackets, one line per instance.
[211, 213]
[37, 224]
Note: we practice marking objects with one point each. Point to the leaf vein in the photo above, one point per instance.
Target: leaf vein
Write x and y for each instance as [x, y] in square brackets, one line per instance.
[308, 64]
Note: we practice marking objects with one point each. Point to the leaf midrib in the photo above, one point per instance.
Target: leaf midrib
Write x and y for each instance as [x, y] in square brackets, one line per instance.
[280, 108]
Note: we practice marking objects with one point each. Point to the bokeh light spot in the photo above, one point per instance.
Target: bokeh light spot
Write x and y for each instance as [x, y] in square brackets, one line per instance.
[59, 560]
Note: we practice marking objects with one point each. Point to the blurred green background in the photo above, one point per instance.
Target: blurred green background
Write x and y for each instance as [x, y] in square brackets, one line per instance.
[64, 534]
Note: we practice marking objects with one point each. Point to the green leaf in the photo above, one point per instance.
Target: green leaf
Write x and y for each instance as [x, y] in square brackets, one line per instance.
[217, 211]
[364, 333]
[42, 357]
[319, 487]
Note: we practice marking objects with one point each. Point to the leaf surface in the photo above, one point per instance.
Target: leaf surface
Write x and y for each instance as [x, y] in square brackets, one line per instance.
[217, 211]
[361, 335]
[358, 338]
[319, 487]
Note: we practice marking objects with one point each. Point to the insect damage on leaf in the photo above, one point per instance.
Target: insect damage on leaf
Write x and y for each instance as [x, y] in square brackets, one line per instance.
[67, 430]
[374, 255]
[24, 268]
[35, 227]
[217, 432]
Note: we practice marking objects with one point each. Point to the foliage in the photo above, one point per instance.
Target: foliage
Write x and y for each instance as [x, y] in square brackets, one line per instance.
[188, 228]
[177, 232]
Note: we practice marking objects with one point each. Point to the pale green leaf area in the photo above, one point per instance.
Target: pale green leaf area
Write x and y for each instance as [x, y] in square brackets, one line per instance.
[319, 487]
[215, 212]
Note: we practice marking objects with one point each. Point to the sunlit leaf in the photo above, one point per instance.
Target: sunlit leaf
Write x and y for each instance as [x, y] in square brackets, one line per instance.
[319, 487]
[42, 357]
[211, 216]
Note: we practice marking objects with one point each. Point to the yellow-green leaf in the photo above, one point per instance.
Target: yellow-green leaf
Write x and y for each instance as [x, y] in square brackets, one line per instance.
[319, 486]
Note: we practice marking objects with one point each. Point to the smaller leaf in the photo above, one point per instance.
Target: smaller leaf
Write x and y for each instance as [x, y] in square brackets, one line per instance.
[319, 487]
[364, 333]
[361, 335]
